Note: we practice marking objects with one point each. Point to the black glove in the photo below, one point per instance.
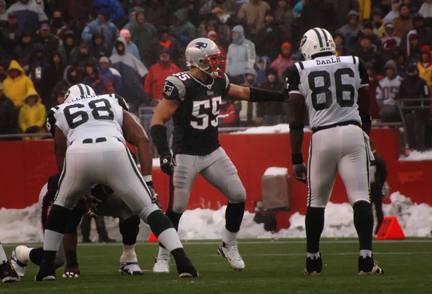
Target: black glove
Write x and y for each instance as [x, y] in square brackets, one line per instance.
[298, 171]
[167, 164]
[154, 196]
[32, 129]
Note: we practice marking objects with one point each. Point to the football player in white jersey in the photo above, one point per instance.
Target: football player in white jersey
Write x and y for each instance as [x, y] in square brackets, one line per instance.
[334, 91]
[90, 148]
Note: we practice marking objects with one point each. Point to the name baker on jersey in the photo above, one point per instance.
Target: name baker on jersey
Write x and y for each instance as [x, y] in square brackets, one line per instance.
[328, 61]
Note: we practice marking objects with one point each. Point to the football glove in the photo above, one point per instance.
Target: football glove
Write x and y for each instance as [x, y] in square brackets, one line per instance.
[154, 196]
[298, 171]
[167, 164]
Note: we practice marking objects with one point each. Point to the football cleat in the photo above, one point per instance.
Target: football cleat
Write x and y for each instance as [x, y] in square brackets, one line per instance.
[130, 268]
[71, 271]
[313, 266]
[162, 264]
[231, 254]
[368, 266]
[186, 269]
[46, 272]
[17, 264]
[7, 273]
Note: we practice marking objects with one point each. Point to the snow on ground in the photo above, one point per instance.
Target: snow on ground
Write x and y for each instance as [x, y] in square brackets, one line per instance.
[23, 225]
[417, 156]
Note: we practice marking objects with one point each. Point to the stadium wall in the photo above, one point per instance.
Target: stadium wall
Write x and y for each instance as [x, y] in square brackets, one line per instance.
[26, 165]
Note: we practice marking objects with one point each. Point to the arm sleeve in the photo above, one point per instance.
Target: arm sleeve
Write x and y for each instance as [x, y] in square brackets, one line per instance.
[292, 80]
[364, 77]
[86, 35]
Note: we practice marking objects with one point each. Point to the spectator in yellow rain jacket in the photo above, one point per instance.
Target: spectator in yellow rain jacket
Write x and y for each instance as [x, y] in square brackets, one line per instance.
[32, 115]
[17, 84]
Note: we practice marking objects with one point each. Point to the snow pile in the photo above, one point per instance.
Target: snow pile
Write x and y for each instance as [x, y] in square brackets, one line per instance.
[417, 156]
[23, 225]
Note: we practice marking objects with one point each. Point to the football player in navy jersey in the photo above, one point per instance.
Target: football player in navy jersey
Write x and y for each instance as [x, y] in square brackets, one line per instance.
[193, 99]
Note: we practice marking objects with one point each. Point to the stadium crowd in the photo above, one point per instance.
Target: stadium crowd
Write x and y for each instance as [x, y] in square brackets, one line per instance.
[131, 46]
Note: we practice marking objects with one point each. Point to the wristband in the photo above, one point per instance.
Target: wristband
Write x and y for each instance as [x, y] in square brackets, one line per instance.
[297, 158]
[259, 95]
[159, 136]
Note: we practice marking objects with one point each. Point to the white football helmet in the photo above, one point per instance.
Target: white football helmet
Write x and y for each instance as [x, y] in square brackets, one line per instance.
[316, 40]
[203, 53]
[78, 90]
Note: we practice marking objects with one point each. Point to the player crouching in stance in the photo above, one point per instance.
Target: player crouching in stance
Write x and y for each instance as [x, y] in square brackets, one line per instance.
[334, 91]
[193, 98]
[90, 148]
[107, 204]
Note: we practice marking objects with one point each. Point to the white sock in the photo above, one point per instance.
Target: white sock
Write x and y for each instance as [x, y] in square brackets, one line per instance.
[52, 240]
[229, 238]
[313, 255]
[129, 254]
[24, 254]
[170, 239]
[3, 257]
[365, 253]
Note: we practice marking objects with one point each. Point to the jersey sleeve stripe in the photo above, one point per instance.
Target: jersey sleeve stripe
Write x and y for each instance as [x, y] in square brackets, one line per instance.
[301, 64]
[319, 37]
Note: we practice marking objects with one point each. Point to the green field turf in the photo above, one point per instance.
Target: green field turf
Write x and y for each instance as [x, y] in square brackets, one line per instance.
[272, 266]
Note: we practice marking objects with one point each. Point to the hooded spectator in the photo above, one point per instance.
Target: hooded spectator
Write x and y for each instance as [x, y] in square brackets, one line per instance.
[424, 32]
[39, 72]
[70, 78]
[101, 25]
[424, 65]
[32, 115]
[83, 57]
[350, 30]
[182, 27]
[110, 73]
[99, 84]
[389, 32]
[403, 22]
[17, 84]
[68, 50]
[262, 65]
[132, 48]
[164, 40]
[284, 60]
[273, 112]
[97, 48]
[23, 52]
[155, 79]
[8, 118]
[413, 45]
[12, 33]
[270, 37]
[142, 34]
[386, 93]
[132, 18]
[241, 53]
[58, 25]
[132, 71]
[253, 13]
[29, 14]
[158, 13]
[114, 8]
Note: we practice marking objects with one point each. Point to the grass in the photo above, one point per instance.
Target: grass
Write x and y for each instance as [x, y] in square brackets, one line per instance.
[272, 266]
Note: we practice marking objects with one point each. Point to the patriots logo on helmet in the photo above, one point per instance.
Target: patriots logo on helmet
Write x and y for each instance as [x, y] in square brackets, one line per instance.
[199, 45]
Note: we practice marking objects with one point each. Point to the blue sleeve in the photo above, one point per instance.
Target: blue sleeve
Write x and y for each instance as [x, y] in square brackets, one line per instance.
[116, 11]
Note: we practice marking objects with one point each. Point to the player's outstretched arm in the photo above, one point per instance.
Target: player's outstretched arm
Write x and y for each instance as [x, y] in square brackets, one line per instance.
[297, 109]
[237, 92]
[60, 146]
[164, 111]
[135, 134]
[364, 109]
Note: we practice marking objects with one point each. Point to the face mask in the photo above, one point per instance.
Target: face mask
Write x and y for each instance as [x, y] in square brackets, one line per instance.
[236, 39]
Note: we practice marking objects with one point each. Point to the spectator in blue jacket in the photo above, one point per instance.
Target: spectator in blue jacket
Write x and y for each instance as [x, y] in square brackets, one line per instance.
[99, 26]
[110, 73]
[114, 7]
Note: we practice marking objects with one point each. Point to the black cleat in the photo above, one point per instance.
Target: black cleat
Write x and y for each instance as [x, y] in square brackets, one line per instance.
[185, 267]
[368, 266]
[46, 272]
[7, 273]
[313, 266]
